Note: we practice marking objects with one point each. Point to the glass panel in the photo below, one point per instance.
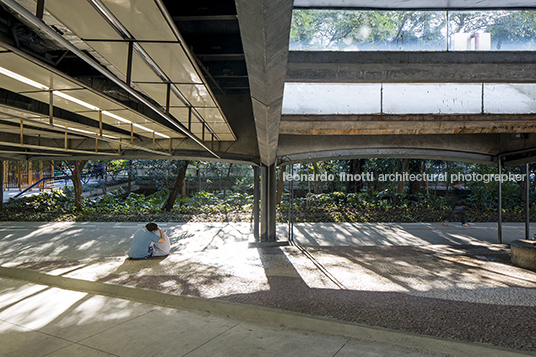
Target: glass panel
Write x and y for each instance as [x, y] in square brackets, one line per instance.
[492, 30]
[348, 30]
[448, 98]
[331, 98]
[344, 30]
[408, 98]
[509, 98]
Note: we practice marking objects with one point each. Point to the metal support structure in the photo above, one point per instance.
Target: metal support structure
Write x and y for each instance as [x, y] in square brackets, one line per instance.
[527, 202]
[190, 119]
[48, 31]
[100, 123]
[499, 208]
[291, 206]
[1, 184]
[21, 132]
[168, 97]
[129, 63]
[40, 9]
[256, 199]
[51, 107]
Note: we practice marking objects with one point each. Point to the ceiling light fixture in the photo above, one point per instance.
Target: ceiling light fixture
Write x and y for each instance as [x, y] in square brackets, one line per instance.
[35, 84]
[74, 100]
[22, 79]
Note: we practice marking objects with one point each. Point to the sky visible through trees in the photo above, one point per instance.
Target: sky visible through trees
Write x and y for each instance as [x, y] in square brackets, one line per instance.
[345, 30]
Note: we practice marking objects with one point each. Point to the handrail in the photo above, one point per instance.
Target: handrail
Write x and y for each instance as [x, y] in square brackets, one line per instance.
[38, 182]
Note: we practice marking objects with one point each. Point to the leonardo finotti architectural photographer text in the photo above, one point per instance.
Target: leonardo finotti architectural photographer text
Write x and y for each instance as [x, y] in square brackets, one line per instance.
[405, 176]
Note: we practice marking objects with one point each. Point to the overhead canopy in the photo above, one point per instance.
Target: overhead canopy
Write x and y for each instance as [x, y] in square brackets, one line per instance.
[150, 89]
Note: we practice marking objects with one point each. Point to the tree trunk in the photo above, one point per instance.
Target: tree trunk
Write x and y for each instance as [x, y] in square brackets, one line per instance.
[415, 167]
[316, 183]
[177, 188]
[280, 183]
[356, 167]
[404, 164]
[77, 184]
[227, 180]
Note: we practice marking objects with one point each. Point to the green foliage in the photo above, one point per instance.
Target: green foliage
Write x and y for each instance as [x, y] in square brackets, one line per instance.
[421, 30]
[342, 29]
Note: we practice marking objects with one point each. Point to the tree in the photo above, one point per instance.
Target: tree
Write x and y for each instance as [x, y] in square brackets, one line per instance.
[280, 184]
[343, 29]
[177, 186]
[424, 30]
[74, 174]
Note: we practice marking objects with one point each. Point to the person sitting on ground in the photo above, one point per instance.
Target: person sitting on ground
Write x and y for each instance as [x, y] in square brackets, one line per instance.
[141, 246]
[161, 249]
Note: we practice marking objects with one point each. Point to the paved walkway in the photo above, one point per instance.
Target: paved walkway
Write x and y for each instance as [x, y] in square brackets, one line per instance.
[376, 289]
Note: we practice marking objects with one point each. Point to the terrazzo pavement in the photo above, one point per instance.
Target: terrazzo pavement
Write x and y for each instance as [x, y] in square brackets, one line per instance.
[451, 282]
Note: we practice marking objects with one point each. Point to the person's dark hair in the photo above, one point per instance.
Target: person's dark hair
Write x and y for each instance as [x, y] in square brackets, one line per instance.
[151, 226]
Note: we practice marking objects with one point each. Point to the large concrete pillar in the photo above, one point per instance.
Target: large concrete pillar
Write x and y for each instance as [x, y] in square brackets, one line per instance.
[256, 201]
[268, 206]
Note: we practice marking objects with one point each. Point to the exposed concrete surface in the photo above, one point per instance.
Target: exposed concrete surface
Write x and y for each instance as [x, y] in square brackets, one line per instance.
[420, 281]
[407, 66]
[265, 31]
[524, 253]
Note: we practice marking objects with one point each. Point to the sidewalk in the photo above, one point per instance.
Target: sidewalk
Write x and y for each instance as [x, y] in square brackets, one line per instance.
[425, 287]
[34, 323]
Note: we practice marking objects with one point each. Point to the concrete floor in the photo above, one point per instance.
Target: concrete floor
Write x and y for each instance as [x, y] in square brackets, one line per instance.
[37, 320]
[61, 291]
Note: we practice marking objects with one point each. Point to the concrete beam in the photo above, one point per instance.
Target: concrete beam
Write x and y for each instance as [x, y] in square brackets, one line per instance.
[265, 29]
[447, 155]
[412, 67]
[467, 147]
[406, 124]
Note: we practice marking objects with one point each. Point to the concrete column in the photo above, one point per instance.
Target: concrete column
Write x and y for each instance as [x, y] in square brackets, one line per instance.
[268, 211]
[256, 199]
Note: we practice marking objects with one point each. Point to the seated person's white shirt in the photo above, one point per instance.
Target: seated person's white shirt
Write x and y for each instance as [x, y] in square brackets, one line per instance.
[161, 249]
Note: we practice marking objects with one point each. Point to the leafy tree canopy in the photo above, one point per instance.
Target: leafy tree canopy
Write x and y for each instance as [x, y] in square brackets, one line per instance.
[418, 30]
